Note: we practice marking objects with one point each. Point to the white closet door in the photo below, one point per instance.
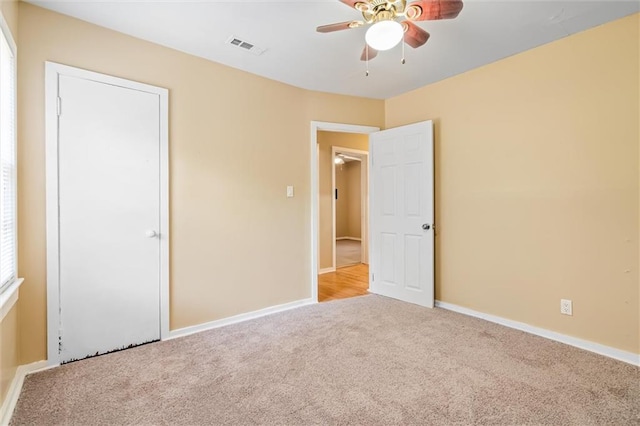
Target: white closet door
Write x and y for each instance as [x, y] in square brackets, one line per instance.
[109, 213]
[401, 228]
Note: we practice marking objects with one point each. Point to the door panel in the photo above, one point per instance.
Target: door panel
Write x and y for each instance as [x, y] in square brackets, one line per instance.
[402, 253]
[388, 190]
[109, 198]
[387, 258]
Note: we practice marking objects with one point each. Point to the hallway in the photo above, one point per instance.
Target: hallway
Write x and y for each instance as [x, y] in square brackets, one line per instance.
[348, 252]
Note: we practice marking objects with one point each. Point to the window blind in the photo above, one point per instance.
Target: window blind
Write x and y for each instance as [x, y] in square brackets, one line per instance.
[7, 163]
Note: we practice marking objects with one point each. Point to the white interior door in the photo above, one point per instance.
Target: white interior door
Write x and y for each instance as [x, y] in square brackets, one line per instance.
[109, 217]
[401, 219]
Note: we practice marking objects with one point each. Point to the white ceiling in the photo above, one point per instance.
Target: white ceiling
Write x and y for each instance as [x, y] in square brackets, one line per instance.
[484, 32]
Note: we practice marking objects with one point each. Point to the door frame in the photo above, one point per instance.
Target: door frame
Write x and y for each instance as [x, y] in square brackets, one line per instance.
[364, 203]
[52, 73]
[315, 189]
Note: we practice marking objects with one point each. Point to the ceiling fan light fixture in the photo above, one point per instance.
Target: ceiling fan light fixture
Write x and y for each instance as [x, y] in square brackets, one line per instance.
[384, 35]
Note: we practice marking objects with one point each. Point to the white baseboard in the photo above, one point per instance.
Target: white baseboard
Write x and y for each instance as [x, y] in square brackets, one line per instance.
[607, 351]
[348, 238]
[326, 270]
[15, 387]
[181, 332]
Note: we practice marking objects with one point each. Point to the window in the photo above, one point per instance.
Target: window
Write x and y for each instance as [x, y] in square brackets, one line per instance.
[8, 255]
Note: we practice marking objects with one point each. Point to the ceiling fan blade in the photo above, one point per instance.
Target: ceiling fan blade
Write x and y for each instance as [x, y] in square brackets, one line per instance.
[372, 53]
[339, 26]
[351, 3]
[431, 10]
[414, 36]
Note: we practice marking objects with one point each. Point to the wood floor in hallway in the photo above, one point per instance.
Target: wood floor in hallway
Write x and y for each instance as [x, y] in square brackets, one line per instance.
[345, 282]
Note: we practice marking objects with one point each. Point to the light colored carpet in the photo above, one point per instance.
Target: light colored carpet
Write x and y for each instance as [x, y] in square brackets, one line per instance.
[348, 252]
[366, 360]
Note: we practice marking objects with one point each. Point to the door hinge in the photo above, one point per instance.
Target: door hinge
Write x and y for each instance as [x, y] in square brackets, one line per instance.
[373, 277]
[60, 341]
[59, 105]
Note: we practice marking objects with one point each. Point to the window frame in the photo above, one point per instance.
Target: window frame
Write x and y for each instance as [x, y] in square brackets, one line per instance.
[5, 32]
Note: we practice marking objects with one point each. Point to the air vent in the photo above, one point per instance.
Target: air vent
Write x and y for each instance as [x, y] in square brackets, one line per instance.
[245, 45]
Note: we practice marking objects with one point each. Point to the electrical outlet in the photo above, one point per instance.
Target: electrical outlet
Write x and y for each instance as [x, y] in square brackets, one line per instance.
[566, 307]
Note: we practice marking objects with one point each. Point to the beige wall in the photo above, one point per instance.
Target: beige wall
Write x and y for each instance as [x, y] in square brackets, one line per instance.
[227, 170]
[326, 140]
[537, 184]
[9, 343]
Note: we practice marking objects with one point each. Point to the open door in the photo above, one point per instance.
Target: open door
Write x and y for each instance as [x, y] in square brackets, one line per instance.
[401, 216]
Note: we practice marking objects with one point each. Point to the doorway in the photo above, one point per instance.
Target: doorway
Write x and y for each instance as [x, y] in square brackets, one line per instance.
[339, 275]
[107, 213]
[349, 275]
[350, 203]
[402, 228]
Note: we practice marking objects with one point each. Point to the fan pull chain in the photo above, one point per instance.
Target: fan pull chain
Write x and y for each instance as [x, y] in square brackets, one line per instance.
[403, 61]
[367, 57]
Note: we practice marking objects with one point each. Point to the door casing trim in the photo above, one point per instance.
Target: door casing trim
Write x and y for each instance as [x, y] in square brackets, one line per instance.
[52, 73]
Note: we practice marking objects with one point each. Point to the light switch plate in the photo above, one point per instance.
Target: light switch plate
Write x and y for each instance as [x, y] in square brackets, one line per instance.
[290, 191]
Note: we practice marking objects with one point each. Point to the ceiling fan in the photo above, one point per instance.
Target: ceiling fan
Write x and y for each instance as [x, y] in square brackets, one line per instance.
[385, 31]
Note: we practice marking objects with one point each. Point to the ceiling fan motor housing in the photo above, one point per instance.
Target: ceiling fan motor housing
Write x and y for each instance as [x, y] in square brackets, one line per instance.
[384, 15]
[380, 10]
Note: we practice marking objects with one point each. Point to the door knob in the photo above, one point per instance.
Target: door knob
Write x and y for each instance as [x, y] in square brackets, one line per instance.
[426, 226]
[151, 234]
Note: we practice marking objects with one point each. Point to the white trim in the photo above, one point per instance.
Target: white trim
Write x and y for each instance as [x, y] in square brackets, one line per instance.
[607, 351]
[364, 206]
[52, 73]
[51, 196]
[4, 27]
[186, 331]
[326, 271]
[10, 400]
[342, 128]
[334, 220]
[8, 290]
[348, 238]
[315, 196]
[9, 297]
[164, 232]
